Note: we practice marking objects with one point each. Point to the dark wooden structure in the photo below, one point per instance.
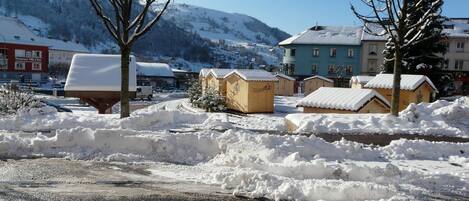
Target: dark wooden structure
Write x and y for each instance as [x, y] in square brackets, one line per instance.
[101, 100]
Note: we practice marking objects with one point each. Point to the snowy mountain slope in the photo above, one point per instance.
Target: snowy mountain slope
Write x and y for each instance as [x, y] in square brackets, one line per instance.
[218, 25]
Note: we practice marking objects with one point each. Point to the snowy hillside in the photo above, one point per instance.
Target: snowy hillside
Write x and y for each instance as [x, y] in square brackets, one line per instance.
[218, 25]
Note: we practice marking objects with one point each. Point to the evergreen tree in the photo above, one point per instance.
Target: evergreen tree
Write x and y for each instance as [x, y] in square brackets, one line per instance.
[423, 57]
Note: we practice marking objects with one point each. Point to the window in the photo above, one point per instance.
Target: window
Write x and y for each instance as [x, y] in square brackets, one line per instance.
[333, 52]
[316, 52]
[289, 69]
[292, 52]
[331, 69]
[28, 54]
[37, 54]
[373, 49]
[458, 65]
[350, 53]
[20, 66]
[37, 66]
[3, 59]
[349, 70]
[372, 65]
[20, 53]
[460, 47]
[314, 69]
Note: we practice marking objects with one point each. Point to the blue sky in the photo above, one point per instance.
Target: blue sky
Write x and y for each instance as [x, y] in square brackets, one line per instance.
[294, 16]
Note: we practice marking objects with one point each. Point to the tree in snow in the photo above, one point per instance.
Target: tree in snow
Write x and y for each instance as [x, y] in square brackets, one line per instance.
[194, 91]
[126, 31]
[427, 52]
[211, 101]
[393, 16]
[12, 99]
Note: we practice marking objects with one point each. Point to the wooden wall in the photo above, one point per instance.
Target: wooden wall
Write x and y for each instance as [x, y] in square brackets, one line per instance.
[216, 84]
[312, 85]
[249, 97]
[422, 94]
[284, 87]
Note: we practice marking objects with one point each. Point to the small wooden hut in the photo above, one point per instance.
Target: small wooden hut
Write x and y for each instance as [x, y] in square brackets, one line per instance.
[203, 78]
[96, 80]
[250, 91]
[344, 100]
[414, 88]
[312, 84]
[215, 80]
[285, 85]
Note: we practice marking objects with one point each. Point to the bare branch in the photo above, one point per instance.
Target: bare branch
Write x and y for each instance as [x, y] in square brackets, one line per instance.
[137, 34]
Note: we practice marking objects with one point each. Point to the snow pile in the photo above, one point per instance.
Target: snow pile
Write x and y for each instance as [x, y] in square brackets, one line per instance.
[438, 118]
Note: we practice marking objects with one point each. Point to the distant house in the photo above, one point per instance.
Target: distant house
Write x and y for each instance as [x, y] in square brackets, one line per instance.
[414, 88]
[23, 56]
[215, 80]
[313, 83]
[250, 91]
[61, 52]
[372, 51]
[285, 85]
[344, 100]
[360, 81]
[329, 51]
[96, 80]
[158, 75]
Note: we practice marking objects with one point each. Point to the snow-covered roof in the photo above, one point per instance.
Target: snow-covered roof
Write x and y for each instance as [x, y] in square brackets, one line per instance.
[253, 75]
[374, 28]
[61, 45]
[362, 79]
[327, 35]
[340, 98]
[285, 76]
[456, 28]
[204, 72]
[408, 82]
[14, 31]
[154, 69]
[319, 77]
[220, 73]
[98, 72]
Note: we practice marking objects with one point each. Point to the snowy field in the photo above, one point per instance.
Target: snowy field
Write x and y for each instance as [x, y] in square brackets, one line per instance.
[182, 143]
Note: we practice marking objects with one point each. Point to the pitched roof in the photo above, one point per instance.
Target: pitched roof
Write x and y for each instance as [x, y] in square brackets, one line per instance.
[319, 77]
[362, 79]
[61, 45]
[340, 98]
[14, 31]
[154, 69]
[456, 28]
[408, 82]
[284, 76]
[326, 35]
[219, 72]
[98, 72]
[204, 72]
[253, 75]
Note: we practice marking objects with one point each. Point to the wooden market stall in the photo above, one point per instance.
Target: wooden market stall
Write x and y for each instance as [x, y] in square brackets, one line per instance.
[216, 80]
[250, 91]
[344, 101]
[312, 84]
[285, 85]
[414, 88]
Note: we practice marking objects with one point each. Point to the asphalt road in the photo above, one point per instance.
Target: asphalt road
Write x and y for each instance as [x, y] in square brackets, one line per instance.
[61, 179]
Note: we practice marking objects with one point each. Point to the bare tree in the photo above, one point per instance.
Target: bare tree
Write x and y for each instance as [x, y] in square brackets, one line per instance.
[125, 32]
[391, 16]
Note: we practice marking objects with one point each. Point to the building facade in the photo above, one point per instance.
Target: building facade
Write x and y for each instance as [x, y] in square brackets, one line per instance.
[22, 55]
[372, 61]
[457, 56]
[331, 52]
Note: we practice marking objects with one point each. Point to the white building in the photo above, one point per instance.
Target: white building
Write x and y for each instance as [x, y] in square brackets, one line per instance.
[457, 57]
[372, 60]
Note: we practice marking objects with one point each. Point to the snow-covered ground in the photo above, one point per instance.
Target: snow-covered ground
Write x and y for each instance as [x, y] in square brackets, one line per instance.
[186, 144]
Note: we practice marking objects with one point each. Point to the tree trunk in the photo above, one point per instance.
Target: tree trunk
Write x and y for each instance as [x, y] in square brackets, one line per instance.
[125, 61]
[396, 89]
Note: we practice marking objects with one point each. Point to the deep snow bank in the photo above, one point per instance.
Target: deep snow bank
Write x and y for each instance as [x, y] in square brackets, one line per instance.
[438, 118]
[155, 117]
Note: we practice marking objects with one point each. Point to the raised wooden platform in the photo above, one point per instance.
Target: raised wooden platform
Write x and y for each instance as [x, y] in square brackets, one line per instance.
[101, 100]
